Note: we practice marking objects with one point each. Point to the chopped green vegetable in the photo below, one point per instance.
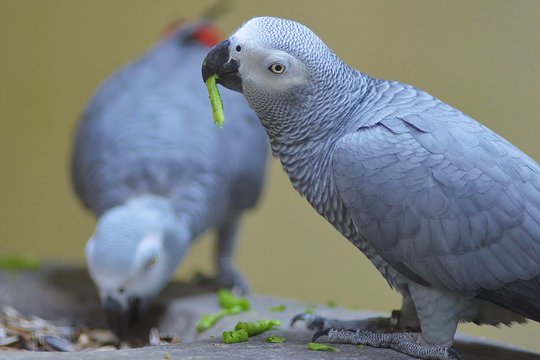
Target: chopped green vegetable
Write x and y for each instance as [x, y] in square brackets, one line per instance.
[331, 304]
[275, 339]
[257, 327]
[309, 310]
[227, 300]
[230, 305]
[167, 356]
[234, 310]
[360, 346]
[278, 308]
[235, 336]
[215, 100]
[19, 263]
[320, 347]
[209, 320]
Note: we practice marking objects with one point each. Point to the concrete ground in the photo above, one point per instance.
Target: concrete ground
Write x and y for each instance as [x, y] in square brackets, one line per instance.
[66, 296]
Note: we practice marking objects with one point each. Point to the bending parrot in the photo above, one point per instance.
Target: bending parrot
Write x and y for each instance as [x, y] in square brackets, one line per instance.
[157, 174]
[447, 210]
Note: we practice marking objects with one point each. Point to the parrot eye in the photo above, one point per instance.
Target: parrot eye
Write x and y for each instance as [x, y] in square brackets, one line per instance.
[150, 263]
[277, 68]
[238, 48]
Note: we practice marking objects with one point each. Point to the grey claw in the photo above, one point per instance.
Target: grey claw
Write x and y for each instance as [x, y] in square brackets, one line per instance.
[454, 354]
[297, 317]
[313, 322]
[320, 333]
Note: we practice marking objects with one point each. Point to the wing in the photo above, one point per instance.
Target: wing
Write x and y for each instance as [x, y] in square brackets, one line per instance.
[149, 129]
[446, 198]
[144, 130]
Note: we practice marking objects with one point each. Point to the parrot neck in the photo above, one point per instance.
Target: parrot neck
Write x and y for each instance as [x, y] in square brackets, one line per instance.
[314, 114]
[303, 137]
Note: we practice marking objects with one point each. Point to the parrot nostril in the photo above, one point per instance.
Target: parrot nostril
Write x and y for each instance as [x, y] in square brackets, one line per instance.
[121, 290]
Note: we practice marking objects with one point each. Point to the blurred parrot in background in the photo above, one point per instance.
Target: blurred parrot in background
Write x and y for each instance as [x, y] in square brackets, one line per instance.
[149, 163]
[447, 210]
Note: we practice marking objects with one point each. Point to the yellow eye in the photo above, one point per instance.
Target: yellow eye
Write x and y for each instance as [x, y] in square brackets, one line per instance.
[277, 68]
[150, 263]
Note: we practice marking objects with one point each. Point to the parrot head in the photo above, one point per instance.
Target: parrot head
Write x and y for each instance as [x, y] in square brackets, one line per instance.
[279, 65]
[132, 255]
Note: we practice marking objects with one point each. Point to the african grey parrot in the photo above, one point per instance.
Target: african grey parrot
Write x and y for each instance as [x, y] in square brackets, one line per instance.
[447, 210]
[157, 173]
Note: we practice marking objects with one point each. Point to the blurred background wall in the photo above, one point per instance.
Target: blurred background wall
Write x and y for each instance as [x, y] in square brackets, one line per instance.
[480, 56]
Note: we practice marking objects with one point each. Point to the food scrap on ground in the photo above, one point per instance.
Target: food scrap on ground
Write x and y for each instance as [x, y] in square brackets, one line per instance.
[275, 339]
[244, 330]
[228, 300]
[257, 327]
[331, 304]
[278, 308]
[235, 336]
[321, 347]
[15, 263]
[230, 305]
[21, 332]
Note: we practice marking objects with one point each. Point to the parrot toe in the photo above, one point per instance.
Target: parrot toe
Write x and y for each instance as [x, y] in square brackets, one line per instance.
[319, 334]
[408, 343]
[313, 322]
[376, 324]
[234, 280]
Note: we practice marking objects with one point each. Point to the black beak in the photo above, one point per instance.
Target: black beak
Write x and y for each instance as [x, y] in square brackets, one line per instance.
[217, 62]
[119, 318]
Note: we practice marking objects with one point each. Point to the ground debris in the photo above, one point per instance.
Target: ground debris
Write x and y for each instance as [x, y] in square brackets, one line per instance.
[29, 332]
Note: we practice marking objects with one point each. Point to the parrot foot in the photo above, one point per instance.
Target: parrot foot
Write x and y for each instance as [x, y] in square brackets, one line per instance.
[234, 280]
[378, 324]
[408, 343]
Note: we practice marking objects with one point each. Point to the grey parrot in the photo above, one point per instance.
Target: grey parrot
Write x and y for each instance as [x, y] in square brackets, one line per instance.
[151, 166]
[447, 210]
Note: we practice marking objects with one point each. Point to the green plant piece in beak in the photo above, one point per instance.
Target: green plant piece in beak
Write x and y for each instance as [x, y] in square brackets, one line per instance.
[215, 100]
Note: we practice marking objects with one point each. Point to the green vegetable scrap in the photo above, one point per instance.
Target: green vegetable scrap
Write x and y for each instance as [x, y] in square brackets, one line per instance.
[235, 336]
[209, 320]
[309, 310]
[331, 304]
[278, 308]
[227, 300]
[360, 346]
[257, 327]
[230, 305]
[215, 100]
[19, 263]
[320, 347]
[275, 339]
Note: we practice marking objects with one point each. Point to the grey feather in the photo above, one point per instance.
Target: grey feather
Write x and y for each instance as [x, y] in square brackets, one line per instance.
[446, 209]
[148, 134]
[468, 187]
[148, 130]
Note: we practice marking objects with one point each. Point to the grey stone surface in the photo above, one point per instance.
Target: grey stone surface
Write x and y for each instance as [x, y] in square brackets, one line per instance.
[66, 295]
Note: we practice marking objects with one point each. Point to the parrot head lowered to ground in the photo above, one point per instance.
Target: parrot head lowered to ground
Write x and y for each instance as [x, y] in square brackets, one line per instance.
[447, 210]
[151, 166]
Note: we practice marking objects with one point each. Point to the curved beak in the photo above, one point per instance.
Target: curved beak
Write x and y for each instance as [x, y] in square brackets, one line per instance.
[218, 62]
[120, 318]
